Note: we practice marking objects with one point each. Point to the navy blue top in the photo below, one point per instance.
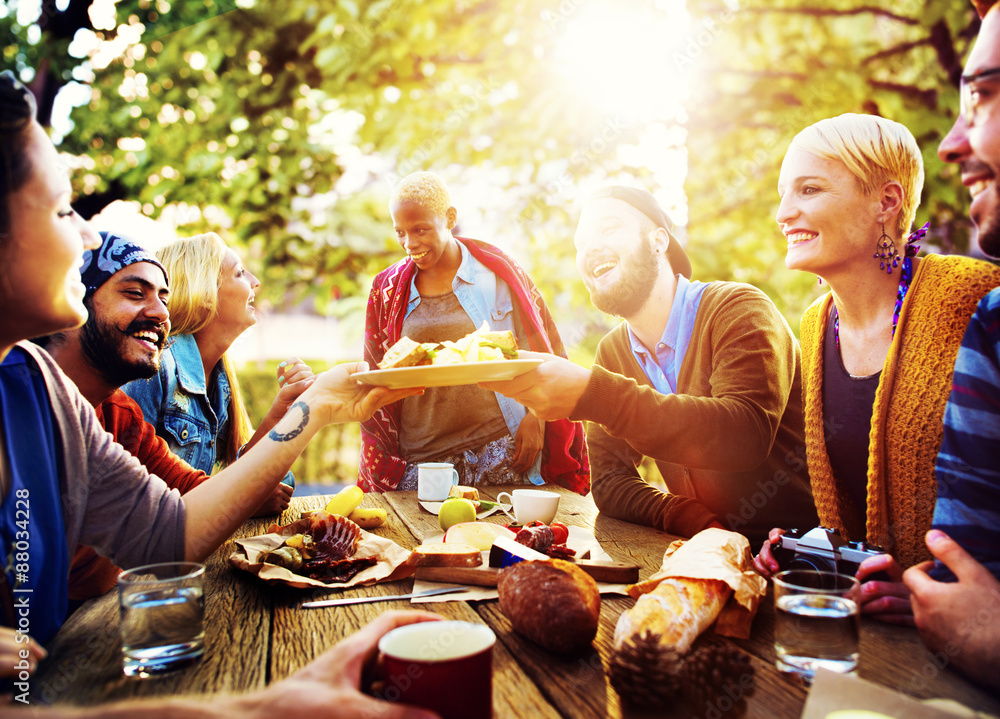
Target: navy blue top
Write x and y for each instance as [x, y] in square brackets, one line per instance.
[32, 534]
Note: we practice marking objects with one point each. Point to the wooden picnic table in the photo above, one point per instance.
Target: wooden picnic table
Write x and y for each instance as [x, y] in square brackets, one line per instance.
[257, 634]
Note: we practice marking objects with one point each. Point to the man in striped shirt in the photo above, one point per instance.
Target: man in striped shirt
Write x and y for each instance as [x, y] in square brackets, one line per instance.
[956, 600]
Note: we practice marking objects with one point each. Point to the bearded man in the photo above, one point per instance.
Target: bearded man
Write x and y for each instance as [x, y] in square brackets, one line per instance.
[126, 329]
[704, 378]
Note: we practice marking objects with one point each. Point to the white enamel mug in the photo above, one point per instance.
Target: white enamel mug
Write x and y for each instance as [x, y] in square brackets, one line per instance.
[434, 480]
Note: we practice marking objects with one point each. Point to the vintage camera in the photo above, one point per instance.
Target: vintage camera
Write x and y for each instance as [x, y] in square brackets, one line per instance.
[822, 549]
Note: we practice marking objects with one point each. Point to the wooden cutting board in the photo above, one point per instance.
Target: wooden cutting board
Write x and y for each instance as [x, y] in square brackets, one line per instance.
[611, 572]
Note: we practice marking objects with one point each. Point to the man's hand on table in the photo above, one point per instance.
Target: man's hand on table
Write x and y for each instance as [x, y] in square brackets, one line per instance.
[960, 619]
[330, 686]
[551, 391]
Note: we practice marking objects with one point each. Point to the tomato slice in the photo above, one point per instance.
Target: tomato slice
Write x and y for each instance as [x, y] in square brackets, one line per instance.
[560, 532]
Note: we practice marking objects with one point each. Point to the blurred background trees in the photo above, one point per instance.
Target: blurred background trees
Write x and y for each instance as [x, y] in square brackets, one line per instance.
[283, 125]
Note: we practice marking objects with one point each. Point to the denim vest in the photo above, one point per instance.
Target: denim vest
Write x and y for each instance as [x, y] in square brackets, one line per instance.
[176, 401]
[486, 298]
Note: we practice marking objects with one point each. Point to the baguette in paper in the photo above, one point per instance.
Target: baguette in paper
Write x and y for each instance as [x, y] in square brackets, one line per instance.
[677, 611]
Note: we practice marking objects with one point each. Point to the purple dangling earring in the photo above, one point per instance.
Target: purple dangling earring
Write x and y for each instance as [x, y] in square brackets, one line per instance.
[885, 252]
[819, 280]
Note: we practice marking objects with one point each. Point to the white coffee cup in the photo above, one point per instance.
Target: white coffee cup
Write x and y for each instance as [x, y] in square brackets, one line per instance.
[531, 505]
[434, 480]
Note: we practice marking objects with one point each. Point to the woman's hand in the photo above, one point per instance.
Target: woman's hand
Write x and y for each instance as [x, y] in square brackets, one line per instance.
[12, 644]
[348, 400]
[294, 378]
[331, 685]
[277, 502]
[528, 442]
[885, 601]
[765, 563]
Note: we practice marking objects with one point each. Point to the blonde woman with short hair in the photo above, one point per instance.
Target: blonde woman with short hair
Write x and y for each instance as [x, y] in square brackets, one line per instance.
[195, 401]
[878, 349]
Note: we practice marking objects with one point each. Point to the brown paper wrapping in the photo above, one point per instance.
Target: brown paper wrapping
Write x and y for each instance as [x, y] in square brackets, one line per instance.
[721, 555]
[389, 567]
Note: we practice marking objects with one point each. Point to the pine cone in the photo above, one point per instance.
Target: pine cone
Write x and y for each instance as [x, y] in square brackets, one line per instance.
[644, 673]
[716, 674]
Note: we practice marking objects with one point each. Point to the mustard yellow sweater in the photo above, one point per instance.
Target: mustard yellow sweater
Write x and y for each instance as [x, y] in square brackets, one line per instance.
[909, 406]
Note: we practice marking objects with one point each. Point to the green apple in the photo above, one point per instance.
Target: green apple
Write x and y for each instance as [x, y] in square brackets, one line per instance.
[456, 510]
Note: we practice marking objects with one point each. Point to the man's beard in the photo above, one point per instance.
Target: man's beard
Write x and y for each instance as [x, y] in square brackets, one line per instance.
[637, 274]
[989, 233]
[105, 346]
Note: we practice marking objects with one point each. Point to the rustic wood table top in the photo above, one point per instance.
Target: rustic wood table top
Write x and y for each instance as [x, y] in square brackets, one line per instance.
[257, 634]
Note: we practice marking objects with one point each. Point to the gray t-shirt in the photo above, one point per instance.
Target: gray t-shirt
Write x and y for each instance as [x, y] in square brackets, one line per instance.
[109, 501]
[446, 420]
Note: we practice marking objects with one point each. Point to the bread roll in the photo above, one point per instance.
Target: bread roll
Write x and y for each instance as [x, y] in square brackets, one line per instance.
[677, 611]
[552, 603]
[469, 493]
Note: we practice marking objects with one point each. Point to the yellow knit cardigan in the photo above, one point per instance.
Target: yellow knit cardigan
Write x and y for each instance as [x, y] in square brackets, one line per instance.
[909, 407]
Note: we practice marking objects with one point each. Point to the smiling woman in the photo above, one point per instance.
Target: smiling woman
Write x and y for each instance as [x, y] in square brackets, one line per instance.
[194, 401]
[444, 289]
[879, 349]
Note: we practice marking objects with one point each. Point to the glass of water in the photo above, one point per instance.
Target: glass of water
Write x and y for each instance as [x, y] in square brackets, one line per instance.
[162, 608]
[817, 622]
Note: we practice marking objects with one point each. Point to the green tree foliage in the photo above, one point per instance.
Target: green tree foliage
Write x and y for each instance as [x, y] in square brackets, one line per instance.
[245, 116]
[252, 115]
[771, 69]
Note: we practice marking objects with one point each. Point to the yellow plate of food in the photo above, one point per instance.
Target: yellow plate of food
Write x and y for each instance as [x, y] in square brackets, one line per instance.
[447, 375]
[480, 356]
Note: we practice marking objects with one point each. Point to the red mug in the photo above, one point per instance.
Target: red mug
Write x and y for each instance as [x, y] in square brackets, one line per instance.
[445, 666]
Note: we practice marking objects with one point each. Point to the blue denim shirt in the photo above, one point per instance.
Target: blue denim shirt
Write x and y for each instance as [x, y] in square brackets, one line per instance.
[176, 401]
[486, 298]
[662, 370]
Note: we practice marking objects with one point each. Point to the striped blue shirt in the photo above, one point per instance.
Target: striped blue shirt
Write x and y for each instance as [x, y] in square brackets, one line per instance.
[968, 464]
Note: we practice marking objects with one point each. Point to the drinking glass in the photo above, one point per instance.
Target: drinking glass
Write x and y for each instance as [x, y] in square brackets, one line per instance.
[162, 608]
[817, 622]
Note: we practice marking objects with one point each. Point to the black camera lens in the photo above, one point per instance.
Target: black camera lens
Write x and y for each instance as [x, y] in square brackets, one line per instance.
[818, 564]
